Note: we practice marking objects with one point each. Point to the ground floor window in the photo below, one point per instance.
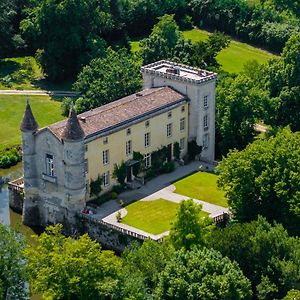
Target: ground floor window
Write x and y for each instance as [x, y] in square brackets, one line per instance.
[181, 144]
[205, 141]
[147, 160]
[106, 178]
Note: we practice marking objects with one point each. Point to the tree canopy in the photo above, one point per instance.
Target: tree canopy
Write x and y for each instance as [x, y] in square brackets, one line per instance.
[202, 274]
[64, 268]
[12, 264]
[263, 179]
[107, 79]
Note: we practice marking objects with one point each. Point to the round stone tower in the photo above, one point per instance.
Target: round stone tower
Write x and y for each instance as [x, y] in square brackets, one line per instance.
[28, 128]
[74, 162]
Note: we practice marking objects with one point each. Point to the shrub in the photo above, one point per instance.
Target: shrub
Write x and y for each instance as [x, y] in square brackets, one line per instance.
[95, 186]
[114, 195]
[119, 217]
[186, 23]
[168, 167]
[10, 157]
[176, 150]
[118, 188]
[120, 173]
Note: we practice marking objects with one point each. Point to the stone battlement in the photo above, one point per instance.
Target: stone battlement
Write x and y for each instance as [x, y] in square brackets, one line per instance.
[180, 72]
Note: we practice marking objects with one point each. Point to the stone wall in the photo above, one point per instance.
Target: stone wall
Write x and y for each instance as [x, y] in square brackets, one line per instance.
[108, 236]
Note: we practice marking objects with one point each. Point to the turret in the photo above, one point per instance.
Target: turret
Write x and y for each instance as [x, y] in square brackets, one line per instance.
[74, 159]
[29, 127]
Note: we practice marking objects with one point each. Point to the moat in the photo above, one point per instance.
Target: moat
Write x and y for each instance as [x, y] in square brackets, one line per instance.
[8, 216]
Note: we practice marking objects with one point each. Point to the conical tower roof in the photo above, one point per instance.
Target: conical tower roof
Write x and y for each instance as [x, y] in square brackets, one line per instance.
[28, 123]
[72, 130]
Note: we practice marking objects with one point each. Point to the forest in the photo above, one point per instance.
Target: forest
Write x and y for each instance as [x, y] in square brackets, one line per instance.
[257, 256]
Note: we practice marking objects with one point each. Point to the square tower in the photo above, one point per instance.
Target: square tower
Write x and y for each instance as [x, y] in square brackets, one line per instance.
[200, 87]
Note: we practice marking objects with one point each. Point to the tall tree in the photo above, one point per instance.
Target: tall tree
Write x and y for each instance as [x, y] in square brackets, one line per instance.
[68, 34]
[63, 268]
[189, 228]
[202, 274]
[267, 255]
[12, 264]
[107, 79]
[165, 42]
[263, 179]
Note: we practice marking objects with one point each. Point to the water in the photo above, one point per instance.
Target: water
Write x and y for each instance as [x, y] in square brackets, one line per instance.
[8, 216]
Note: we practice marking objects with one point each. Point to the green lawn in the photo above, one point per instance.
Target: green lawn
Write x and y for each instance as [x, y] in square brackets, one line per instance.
[201, 186]
[12, 107]
[233, 58]
[152, 216]
[23, 73]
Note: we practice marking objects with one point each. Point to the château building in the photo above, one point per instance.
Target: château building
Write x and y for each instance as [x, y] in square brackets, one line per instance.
[176, 105]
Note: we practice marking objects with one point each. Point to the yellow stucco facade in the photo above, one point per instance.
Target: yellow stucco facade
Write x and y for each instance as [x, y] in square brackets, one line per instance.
[115, 142]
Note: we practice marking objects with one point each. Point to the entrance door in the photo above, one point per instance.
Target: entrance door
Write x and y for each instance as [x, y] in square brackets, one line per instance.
[169, 154]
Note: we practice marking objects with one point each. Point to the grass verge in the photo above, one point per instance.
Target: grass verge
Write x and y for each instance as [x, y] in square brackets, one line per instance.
[45, 110]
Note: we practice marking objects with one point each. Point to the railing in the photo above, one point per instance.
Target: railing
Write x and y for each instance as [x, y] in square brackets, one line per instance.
[223, 218]
[17, 185]
[119, 229]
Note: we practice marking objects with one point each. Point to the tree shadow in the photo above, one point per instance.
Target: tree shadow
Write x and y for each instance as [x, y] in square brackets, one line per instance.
[7, 67]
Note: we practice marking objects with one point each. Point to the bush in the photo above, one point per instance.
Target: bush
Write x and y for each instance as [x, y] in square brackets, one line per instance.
[118, 188]
[176, 150]
[114, 195]
[186, 23]
[10, 157]
[168, 167]
[95, 186]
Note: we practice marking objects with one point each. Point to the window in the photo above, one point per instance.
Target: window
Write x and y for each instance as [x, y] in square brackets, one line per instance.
[128, 131]
[105, 140]
[205, 141]
[49, 165]
[169, 129]
[147, 160]
[106, 178]
[182, 108]
[105, 157]
[86, 148]
[181, 144]
[128, 148]
[205, 122]
[86, 166]
[205, 101]
[147, 123]
[169, 114]
[147, 139]
[182, 123]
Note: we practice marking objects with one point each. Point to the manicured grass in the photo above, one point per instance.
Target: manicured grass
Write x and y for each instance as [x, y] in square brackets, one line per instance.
[152, 216]
[45, 110]
[201, 186]
[233, 58]
[24, 73]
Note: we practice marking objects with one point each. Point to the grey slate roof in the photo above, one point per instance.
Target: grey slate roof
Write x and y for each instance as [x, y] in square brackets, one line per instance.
[123, 110]
[28, 123]
[72, 130]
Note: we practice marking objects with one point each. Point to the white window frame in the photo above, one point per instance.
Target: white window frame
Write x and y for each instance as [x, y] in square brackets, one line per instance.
[105, 140]
[169, 114]
[128, 147]
[182, 124]
[182, 108]
[147, 123]
[182, 144]
[169, 130]
[105, 157]
[205, 101]
[205, 122]
[147, 160]
[128, 131]
[50, 165]
[205, 143]
[147, 139]
[105, 178]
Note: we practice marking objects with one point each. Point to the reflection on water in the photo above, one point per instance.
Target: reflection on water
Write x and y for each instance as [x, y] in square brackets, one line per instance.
[15, 219]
